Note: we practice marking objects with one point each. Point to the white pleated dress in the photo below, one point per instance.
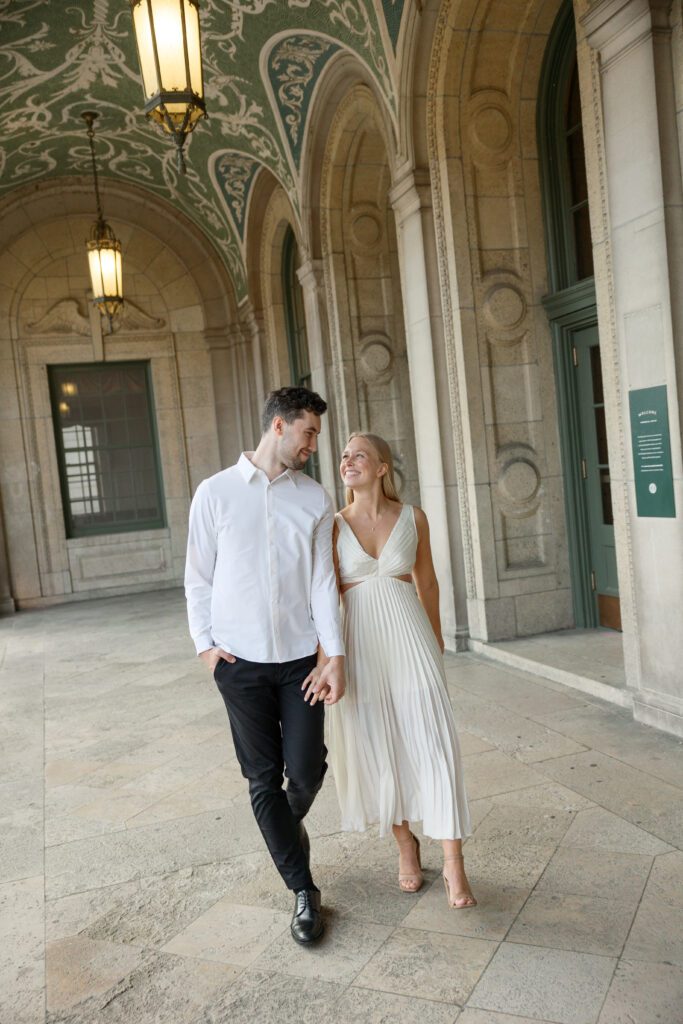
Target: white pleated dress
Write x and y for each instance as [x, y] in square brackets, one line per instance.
[392, 739]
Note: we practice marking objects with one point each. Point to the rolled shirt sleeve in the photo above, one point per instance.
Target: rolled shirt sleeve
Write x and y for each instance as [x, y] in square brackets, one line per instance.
[199, 568]
[324, 593]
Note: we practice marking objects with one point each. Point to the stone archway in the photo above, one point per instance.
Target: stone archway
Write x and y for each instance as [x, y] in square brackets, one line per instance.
[179, 320]
[365, 307]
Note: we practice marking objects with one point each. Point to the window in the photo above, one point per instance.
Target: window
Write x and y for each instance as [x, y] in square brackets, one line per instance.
[563, 159]
[577, 183]
[106, 448]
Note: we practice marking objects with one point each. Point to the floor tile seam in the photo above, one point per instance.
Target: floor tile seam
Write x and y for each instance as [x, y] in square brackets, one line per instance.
[231, 802]
[474, 831]
[206, 909]
[207, 960]
[638, 906]
[643, 771]
[166, 796]
[526, 718]
[537, 814]
[427, 999]
[134, 831]
[137, 878]
[555, 757]
[608, 988]
[614, 757]
[596, 803]
[521, 789]
[372, 957]
[563, 949]
[491, 702]
[493, 942]
[531, 892]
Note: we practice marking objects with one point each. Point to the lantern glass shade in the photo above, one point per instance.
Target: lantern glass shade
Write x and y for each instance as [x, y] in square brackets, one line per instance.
[169, 48]
[104, 259]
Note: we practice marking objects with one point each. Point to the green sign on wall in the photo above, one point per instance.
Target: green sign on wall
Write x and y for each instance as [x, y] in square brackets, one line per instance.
[652, 452]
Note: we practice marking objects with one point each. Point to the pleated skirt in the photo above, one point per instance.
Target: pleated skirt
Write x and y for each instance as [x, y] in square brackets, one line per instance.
[392, 739]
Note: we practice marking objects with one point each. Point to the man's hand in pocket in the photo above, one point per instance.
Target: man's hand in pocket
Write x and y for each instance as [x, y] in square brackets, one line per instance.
[214, 655]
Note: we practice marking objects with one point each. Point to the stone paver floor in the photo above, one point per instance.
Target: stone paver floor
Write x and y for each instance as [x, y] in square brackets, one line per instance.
[134, 886]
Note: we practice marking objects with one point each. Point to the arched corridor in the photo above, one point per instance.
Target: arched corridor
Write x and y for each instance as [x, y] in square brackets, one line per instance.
[460, 222]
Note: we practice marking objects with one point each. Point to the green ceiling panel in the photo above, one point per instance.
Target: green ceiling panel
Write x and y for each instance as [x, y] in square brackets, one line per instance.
[393, 12]
[60, 58]
[234, 174]
[294, 67]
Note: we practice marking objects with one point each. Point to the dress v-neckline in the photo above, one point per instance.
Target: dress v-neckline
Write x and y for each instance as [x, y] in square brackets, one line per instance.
[384, 546]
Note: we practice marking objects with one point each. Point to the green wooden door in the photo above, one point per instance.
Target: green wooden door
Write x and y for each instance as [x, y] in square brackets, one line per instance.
[595, 475]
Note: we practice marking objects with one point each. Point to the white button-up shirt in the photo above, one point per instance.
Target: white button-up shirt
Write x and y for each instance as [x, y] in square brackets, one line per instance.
[259, 576]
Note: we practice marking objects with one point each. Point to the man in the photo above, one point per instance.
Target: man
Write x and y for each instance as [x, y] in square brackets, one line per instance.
[263, 608]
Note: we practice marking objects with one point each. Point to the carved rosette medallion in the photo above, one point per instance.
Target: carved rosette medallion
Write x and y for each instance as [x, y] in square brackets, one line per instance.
[376, 359]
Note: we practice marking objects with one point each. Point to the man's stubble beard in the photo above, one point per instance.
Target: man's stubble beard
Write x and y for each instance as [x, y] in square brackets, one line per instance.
[292, 459]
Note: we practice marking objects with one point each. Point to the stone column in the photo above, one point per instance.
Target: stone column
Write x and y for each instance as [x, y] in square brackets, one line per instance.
[411, 203]
[224, 371]
[310, 275]
[643, 188]
[254, 327]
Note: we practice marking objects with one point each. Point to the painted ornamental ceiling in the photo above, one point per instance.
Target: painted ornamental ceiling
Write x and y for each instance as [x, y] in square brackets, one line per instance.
[262, 62]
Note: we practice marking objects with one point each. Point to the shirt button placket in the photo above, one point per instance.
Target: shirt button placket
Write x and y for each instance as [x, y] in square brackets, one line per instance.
[273, 571]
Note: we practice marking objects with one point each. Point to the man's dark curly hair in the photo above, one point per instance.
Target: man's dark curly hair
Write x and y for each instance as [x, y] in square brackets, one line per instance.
[291, 404]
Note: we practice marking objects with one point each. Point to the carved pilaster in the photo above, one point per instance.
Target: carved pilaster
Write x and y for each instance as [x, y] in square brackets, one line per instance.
[312, 279]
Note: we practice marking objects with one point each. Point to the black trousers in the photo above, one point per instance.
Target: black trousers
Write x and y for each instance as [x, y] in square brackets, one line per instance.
[277, 734]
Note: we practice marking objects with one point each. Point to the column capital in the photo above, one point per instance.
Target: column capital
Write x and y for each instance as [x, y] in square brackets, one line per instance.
[310, 274]
[614, 26]
[249, 319]
[412, 192]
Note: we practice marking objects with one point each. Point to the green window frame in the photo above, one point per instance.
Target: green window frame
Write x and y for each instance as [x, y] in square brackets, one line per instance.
[295, 321]
[562, 160]
[570, 302]
[107, 447]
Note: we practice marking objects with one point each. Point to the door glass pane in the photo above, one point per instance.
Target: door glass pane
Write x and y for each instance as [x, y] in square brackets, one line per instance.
[606, 494]
[601, 435]
[596, 374]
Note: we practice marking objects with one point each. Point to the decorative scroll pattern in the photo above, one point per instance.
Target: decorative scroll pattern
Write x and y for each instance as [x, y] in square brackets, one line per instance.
[235, 173]
[60, 59]
[294, 66]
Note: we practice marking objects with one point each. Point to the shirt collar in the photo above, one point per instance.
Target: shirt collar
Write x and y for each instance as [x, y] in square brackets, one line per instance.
[249, 470]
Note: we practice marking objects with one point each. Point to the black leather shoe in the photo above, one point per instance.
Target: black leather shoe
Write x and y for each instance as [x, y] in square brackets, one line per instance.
[305, 844]
[307, 922]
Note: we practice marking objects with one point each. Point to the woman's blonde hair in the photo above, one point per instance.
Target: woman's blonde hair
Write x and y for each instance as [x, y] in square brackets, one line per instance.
[383, 452]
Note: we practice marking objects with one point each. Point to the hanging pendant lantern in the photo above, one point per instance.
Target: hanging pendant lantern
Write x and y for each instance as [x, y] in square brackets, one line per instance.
[104, 249]
[169, 49]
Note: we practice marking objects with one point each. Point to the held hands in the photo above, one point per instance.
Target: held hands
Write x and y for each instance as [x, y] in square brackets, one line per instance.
[213, 655]
[325, 682]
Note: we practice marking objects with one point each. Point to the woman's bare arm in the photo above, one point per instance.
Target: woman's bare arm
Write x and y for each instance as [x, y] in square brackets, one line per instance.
[426, 583]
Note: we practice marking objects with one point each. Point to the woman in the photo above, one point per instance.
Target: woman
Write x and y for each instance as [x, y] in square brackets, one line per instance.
[393, 743]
